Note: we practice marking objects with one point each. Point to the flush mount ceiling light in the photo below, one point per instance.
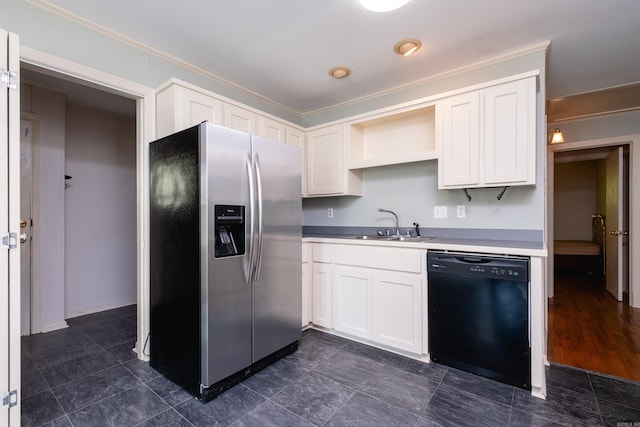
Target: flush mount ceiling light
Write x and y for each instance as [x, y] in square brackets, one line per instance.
[407, 47]
[339, 72]
[382, 5]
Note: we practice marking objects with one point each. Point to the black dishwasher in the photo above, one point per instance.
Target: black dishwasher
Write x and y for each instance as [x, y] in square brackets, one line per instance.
[479, 315]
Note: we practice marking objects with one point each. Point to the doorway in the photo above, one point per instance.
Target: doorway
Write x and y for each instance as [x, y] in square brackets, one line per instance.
[588, 327]
[84, 228]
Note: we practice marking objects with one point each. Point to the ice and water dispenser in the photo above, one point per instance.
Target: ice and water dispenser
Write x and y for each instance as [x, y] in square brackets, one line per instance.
[229, 225]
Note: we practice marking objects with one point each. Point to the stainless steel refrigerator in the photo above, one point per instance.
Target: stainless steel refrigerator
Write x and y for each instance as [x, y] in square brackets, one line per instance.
[225, 256]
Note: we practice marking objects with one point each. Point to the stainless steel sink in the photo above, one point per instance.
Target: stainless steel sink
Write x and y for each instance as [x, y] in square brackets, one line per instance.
[395, 238]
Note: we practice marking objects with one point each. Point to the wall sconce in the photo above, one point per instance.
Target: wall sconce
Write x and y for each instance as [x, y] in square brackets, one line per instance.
[556, 137]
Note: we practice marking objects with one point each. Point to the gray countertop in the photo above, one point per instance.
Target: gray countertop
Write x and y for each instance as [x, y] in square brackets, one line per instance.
[507, 247]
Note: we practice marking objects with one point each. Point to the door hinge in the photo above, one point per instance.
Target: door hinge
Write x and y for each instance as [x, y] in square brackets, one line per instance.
[9, 78]
[10, 399]
[10, 240]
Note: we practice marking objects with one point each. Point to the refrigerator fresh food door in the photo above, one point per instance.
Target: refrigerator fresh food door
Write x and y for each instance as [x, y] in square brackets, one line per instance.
[277, 283]
[226, 312]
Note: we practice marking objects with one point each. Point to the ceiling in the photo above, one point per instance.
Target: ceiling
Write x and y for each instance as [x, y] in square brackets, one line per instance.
[282, 49]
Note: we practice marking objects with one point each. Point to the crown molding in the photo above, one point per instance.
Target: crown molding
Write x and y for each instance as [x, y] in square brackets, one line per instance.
[155, 52]
[512, 54]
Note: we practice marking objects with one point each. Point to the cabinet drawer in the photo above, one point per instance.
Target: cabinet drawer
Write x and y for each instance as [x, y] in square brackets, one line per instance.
[322, 253]
[306, 252]
[398, 259]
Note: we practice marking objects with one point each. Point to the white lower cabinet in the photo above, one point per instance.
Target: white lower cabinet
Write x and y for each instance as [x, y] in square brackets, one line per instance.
[306, 294]
[352, 301]
[371, 292]
[306, 284]
[397, 310]
[322, 294]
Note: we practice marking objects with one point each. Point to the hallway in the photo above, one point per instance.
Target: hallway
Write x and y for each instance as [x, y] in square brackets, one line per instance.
[589, 329]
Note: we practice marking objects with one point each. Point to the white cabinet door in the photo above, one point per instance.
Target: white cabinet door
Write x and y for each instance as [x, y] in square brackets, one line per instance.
[352, 301]
[271, 129]
[325, 161]
[294, 137]
[326, 151]
[397, 310]
[487, 137]
[240, 119]
[306, 294]
[322, 294]
[178, 108]
[509, 133]
[460, 145]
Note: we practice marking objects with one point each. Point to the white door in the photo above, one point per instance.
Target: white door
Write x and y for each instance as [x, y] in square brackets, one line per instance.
[26, 173]
[614, 223]
[9, 224]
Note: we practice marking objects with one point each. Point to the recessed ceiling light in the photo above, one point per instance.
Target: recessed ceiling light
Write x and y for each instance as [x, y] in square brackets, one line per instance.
[382, 5]
[339, 72]
[407, 47]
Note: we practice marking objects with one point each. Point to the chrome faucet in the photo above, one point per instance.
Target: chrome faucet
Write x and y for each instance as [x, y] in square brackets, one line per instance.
[394, 214]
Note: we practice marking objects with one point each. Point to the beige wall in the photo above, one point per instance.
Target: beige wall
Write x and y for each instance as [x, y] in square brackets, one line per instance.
[576, 186]
[47, 109]
[100, 211]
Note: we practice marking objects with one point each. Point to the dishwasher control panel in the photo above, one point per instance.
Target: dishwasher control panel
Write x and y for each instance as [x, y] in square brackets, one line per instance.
[479, 265]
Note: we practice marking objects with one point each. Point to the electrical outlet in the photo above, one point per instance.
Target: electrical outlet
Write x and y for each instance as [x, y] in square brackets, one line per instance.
[330, 213]
[461, 211]
[440, 212]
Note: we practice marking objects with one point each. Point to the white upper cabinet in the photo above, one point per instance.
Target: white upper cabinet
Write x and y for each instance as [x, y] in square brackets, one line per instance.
[326, 152]
[271, 129]
[460, 145]
[294, 137]
[509, 133]
[240, 119]
[179, 107]
[487, 137]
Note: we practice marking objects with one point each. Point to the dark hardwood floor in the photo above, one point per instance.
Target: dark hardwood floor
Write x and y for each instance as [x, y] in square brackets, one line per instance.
[589, 329]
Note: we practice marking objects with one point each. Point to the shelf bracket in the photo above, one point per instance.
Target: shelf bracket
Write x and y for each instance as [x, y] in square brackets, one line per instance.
[502, 192]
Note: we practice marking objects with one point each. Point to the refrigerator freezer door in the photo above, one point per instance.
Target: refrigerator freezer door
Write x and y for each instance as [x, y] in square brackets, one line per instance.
[226, 312]
[277, 291]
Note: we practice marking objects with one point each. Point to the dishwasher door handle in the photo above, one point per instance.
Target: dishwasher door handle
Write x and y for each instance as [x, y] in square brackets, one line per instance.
[473, 260]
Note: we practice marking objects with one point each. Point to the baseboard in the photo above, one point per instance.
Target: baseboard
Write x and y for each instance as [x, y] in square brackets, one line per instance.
[96, 309]
[54, 326]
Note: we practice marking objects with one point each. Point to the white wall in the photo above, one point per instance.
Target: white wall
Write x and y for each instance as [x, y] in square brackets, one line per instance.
[575, 199]
[48, 227]
[100, 211]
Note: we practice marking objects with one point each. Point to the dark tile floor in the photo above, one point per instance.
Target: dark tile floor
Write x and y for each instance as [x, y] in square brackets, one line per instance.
[87, 375]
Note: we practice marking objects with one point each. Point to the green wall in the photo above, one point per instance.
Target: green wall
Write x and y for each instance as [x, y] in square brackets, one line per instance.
[410, 189]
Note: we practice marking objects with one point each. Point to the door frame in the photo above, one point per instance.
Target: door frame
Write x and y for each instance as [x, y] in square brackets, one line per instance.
[633, 142]
[145, 133]
[10, 368]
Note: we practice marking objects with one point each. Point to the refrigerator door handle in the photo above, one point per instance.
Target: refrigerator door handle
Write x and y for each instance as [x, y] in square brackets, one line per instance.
[248, 272]
[258, 260]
